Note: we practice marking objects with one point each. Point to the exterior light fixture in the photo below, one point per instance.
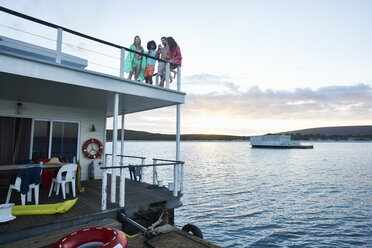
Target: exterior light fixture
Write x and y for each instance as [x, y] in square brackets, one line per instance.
[19, 108]
[93, 128]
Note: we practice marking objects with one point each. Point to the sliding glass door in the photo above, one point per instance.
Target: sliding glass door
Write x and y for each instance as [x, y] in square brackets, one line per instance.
[64, 140]
[52, 138]
[40, 145]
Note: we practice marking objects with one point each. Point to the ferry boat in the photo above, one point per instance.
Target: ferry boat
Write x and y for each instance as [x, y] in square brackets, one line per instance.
[276, 141]
[54, 103]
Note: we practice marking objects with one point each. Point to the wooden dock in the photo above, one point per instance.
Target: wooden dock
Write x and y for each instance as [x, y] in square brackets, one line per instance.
[140, 200]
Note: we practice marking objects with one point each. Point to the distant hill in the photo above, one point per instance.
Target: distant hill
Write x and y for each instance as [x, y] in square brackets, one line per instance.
[329, 131]
[332, 133]
[321, 133]
[141, 135]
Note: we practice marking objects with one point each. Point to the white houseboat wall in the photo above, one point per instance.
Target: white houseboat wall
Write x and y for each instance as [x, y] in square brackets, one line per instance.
[83, 118]
[63, 90]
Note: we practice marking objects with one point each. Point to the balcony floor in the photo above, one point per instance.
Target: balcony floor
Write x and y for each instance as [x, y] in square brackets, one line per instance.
[139, 198]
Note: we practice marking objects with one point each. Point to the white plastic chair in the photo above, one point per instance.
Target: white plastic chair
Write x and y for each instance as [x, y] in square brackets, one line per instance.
[66, 174]
[17, 186]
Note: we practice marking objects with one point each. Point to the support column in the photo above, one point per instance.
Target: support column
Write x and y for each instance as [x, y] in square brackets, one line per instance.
[32, 139]
[122, 170]
[114, 147]
[122, 140]
[178, 139]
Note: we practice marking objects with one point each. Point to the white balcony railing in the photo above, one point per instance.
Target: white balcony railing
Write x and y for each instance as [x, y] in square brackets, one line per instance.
[176, 186]
[68, 41]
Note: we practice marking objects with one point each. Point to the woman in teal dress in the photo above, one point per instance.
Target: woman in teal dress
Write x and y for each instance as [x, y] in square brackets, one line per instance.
[135, 63]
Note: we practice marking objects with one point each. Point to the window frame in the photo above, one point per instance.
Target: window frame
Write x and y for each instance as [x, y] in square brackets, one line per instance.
[51, 121]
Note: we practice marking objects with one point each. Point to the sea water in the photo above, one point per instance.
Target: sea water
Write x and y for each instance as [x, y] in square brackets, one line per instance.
[244, 197]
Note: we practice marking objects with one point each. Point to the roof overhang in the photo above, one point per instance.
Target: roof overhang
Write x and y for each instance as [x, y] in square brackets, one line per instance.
[37, 81]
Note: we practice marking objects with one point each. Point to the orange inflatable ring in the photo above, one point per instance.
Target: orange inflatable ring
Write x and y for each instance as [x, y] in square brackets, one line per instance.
[94, 237]
[95, 148]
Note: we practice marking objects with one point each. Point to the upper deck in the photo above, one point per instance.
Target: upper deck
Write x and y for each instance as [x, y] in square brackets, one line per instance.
[35, 73]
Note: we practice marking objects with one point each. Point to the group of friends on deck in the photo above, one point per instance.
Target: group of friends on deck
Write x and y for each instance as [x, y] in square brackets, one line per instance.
[143, 68]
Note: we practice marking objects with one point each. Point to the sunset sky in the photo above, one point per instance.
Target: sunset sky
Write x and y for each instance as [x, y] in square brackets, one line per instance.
[249, 67]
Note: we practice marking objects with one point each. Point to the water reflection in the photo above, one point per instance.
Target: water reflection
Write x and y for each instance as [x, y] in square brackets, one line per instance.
[243, 197]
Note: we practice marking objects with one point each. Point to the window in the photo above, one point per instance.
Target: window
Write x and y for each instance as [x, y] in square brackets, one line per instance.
[40, 146]
[64, 141]
[55, 139]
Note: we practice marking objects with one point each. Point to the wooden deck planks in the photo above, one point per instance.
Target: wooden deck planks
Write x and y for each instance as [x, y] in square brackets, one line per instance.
[88, 206]
[48, 239]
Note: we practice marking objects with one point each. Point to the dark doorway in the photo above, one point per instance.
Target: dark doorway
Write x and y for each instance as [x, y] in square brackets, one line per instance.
[15, 135]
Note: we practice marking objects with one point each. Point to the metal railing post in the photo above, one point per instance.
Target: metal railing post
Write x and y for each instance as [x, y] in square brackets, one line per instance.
[175, 181]
[122, 62]
[122, 188]
[181, 179]
[157, 79]
[59, 46]
[122, 171]
[154, 174]
[178, 78]
[167, 73]
[104, 191]
[141, 170]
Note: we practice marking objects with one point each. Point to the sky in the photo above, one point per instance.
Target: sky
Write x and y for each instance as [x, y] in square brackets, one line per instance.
[249, 66]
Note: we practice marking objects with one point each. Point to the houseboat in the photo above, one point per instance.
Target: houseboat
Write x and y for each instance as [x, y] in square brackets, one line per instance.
[276, 141]
[55, 104]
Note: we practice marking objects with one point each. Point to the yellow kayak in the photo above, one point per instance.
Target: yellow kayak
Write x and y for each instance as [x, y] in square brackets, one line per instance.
[59, 208]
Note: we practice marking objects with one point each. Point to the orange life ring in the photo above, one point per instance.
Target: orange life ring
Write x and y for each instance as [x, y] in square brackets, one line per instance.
[93, 152]
[98, 236]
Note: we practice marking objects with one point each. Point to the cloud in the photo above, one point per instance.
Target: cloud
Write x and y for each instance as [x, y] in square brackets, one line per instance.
[229, 110]
[210, 83]
[334, 102]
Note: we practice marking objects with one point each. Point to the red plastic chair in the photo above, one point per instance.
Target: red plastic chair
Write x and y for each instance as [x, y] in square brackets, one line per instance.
[47, 175]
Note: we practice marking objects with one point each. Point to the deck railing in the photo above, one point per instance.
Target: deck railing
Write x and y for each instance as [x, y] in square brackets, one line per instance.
[59, 41]
[142, 159]
[177, 179]
[177, 174]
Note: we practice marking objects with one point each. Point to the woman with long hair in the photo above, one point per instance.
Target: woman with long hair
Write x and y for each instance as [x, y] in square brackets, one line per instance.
[174, 54]
[135, 63]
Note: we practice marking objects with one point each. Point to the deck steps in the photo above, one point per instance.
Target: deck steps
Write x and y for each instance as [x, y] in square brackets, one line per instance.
[48, 239]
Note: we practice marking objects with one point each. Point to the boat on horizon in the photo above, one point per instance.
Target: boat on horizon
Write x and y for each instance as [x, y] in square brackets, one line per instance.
[277, 141]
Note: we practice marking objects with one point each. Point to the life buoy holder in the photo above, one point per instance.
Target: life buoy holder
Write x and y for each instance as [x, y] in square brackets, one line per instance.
[94, 237]
[193, 229]
[92, 148]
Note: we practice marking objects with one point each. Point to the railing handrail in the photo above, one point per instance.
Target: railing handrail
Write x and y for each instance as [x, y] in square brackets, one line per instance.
[52, 25]
[125, 156]
[129, 166]
[168, 160]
